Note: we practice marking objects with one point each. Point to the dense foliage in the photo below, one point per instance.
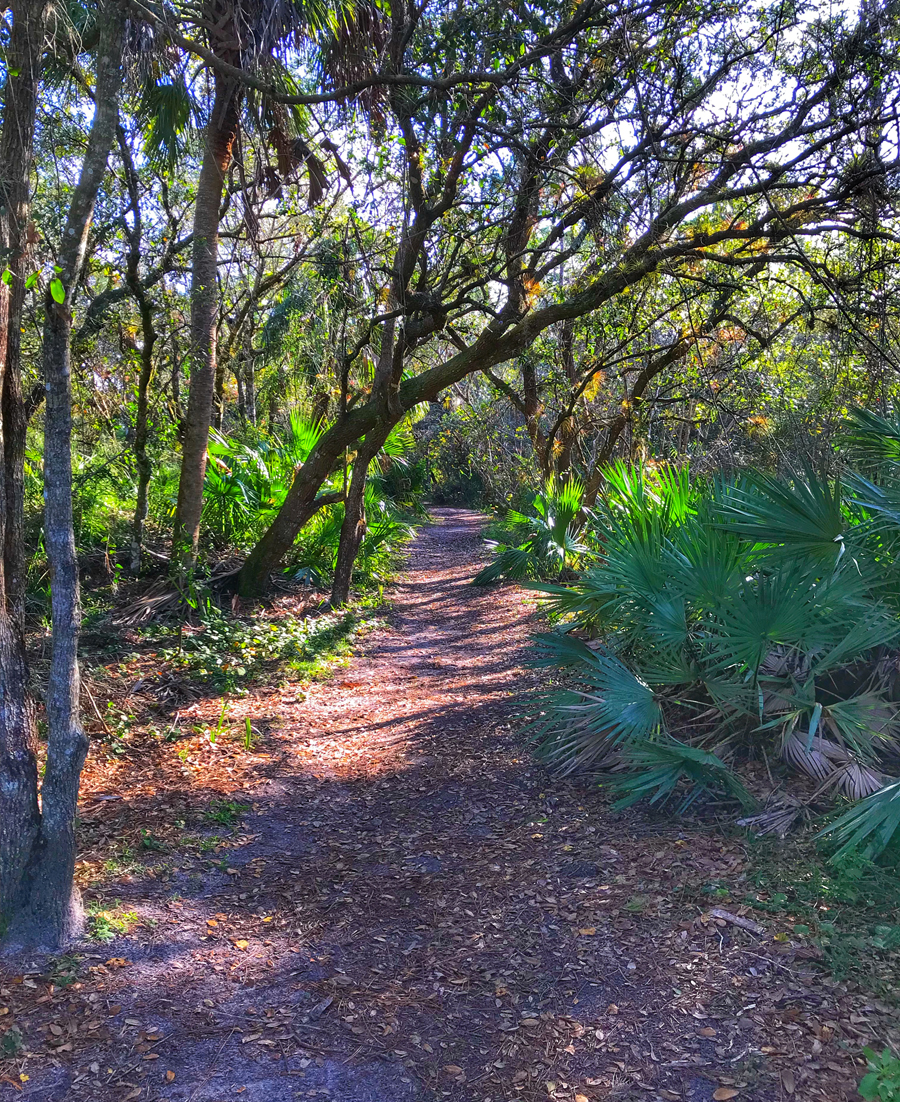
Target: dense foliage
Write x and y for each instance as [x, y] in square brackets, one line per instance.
[718, 618]
[272, 272]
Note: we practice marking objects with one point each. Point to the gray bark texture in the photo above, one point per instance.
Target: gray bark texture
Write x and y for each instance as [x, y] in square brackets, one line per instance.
[50, 912]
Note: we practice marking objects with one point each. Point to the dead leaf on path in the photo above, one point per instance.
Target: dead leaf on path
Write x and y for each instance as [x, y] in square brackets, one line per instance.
[452, 1069]
[724, 1093]
[242, 945]
[588, 931]
[788, 1081]
[581, 1098]
[170, 1076]
[319, 1009]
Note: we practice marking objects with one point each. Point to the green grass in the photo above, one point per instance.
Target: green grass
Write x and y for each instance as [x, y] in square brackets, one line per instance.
[230, 653]
[121, 862]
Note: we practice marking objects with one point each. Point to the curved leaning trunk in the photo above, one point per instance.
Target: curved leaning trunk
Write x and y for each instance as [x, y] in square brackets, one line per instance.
[49, 908]
[353, 529]
[301, 501]
[220, 137]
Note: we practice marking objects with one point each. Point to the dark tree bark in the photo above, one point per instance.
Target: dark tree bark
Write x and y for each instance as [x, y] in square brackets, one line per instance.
[148, 340]
[50, 912]
[142, 432]
[221, 133]
[353, 528]
[19, 812]
[248, 376]
[16, 163]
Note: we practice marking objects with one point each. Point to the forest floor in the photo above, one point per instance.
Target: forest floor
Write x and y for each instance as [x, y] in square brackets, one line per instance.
[381, 896]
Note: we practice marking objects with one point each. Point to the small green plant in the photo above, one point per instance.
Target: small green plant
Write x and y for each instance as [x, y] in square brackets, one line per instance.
[552, 538]
[847, 910]
[11, 1043]
[217, 730]
[117, 726]
[248, 734]
[122, 861]
[151, 842]
[226, 812]
[882, 1082]
[64, 970]
[105, 925]
[229, 652]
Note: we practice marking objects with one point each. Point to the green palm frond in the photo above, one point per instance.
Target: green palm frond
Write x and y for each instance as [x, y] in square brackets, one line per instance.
[805, 516]
[165, 112]
[565, 651]
[882, 498]
[657, 770]
[667, 621]
[642, 496]
[553, 536]
[580, 727]
[770, 610]
[301, 436]
[708, 564]
[865, 723]
[873, 438]
[513, 563]
[869, 825]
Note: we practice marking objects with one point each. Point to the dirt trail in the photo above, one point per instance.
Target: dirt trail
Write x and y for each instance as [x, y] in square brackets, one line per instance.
[412, 911]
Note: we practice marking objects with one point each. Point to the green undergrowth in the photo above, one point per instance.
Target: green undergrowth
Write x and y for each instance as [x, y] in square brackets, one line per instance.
[106, 923]
[849, 910]
[232, 653]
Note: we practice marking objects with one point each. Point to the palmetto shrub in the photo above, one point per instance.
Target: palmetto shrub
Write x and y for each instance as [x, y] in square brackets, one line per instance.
[247, 480]
[721, 619]
[547, 541]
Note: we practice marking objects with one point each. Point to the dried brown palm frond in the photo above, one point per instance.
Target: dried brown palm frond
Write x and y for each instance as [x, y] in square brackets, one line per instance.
[854, 780]
[778, 819]
[807, 757]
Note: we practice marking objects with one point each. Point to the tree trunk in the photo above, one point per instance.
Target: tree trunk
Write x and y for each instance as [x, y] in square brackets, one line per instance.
[219, 396]
[148, 338]
[19, 811]
[353, 528]
[16, 161]
[141, 434]
[50, 912]
[248, 371]
[220, 136]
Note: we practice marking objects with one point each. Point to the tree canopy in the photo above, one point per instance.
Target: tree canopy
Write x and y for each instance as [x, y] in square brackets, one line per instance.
[255, 251]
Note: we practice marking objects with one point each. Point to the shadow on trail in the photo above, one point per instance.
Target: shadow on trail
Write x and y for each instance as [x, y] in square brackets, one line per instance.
[409, 910]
